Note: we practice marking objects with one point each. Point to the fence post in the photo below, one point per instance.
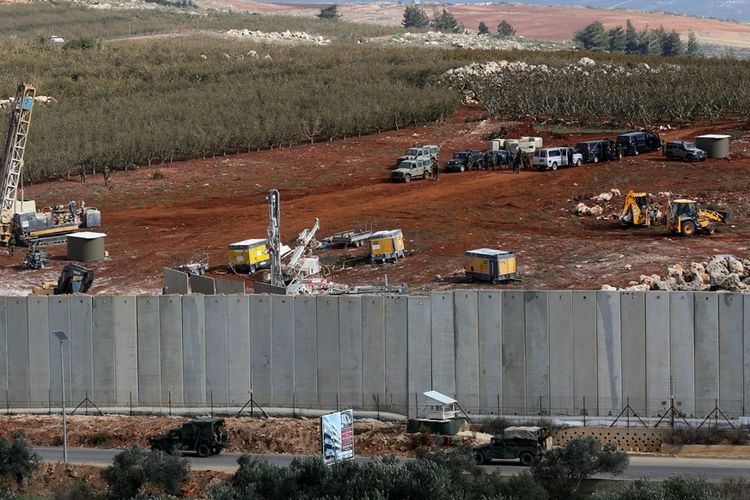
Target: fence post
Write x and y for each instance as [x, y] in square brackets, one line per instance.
[211, 411]
[130, 402]
[584, 411]
[170, 402]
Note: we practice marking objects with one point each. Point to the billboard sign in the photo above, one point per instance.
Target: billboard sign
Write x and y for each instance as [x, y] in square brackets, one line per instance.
[337, 436]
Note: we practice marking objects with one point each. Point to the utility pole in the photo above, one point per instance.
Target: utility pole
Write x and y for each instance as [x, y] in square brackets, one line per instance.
[62, 337]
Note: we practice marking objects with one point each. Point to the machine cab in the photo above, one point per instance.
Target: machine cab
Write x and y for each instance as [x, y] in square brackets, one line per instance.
[685, 208]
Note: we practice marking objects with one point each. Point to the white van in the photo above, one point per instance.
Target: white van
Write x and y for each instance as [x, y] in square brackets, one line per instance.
[551, 158]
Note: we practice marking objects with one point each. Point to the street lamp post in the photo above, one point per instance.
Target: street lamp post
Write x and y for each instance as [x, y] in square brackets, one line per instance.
[61, 337]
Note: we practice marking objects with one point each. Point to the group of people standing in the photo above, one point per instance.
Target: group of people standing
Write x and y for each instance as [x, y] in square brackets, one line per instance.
[514, 161]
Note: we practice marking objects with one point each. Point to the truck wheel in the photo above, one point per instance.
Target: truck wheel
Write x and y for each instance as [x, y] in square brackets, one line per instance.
[407, 178]
[554, 166]
[252, 269]
[203, 450]
[710, 229]
[578, 163]
[596, 159]
[156, 447]
[688, 228]
[479, 458]
[461, 168]
[527, 459]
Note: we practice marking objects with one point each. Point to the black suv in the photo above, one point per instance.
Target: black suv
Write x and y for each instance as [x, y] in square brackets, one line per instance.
[601, 150]
[683, 150]
[465, 160]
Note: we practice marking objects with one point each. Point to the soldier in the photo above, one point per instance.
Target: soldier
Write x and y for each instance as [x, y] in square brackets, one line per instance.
[526, 161]
[83, 173]
[436, 170]
[517, 162]
[493, 161]
[619, 151]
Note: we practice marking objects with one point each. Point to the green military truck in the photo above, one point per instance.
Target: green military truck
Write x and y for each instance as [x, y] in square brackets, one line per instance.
[526, 444]
[203, 437]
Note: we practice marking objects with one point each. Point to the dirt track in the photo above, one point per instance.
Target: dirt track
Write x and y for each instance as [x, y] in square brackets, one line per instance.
[201, 206]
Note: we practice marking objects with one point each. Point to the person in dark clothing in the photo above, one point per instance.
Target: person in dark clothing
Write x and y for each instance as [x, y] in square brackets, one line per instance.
[526, 161]
[517, 162]
[493, 161]
[436, 170]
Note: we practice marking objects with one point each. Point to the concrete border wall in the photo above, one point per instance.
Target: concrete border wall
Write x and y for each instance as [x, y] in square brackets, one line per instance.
[497, 352]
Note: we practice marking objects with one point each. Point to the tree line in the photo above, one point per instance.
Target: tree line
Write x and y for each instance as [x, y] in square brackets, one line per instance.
[416, 17]
[596, 37]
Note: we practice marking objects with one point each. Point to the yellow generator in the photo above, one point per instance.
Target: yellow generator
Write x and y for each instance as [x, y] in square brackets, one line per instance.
[487, 264]
[386, 246]
[249, 255]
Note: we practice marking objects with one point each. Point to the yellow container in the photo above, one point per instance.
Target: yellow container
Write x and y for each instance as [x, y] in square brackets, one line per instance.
[487, 264]
[249, 255]
[386, 245]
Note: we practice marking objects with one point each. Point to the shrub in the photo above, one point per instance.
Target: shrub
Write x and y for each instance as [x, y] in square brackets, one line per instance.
[706, 436]
[79, 490]
[675, 488]
[100, 438]
[18, 461]
[562, 470]
[133, 468]
[157, 175]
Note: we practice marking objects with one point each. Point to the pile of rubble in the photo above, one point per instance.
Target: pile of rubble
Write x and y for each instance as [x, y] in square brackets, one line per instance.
[40, 99]
[275, 37]
[581, 209]
[471, 41]
[720, 273]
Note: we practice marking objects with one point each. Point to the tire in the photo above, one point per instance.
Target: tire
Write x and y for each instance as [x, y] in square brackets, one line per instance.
[669, 156]
[688, 228]
[493, 281]
[203, 450]
[479, 458]
[156, 447]
[578, 163]
[252, 269]
[407, 178]
[554, 166]
[596, 159]
[710, 229]
[461, 168]
[526, 458]
[635, 153]
[426, 175]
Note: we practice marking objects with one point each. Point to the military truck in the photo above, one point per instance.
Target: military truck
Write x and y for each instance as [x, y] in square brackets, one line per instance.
[406, 170]
[465, 160]
[429, 151]
[526, 444]
[203, 437]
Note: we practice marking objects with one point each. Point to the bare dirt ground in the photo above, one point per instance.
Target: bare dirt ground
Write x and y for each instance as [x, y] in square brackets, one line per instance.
[199, 207]
[299, 436]
[531, 21]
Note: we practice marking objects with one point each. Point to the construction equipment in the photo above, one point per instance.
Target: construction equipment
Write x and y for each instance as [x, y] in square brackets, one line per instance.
[637, 210]
[248, 256]
[686, 218]
[386, 246]
[12, 159]
[488, 264]
[35, 259]
[73, 279]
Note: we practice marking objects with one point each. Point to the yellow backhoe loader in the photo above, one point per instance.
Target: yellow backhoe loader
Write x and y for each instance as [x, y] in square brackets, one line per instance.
[686, 218]
[637, 211]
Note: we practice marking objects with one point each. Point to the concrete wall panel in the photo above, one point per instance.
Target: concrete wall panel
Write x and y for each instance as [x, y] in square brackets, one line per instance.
[514, 354]
[682, 351]
[467, 349]
[3, 351]
[282, 349]
[238, 351]
[202, 284]
[537, 353]
[443, 343]
[657, 353]
[217, 349]
[327, 316]
[633, 330]
[561, 369]
[305, 351]
[350, 351]
[609, 348]
[746, 349]
[18, 350]
[194, 350]
[373, 352]
[490, 352]
[706, 352]
[126, 349]
[175, 282]
[585, 353]
[81, 347]
[396, 373]
[261, 374]
[39, 350]
[419, 364]
[59, 320]
[104, 350]
[149, 351]
[170, 345]
[731, 346]
[230, 287]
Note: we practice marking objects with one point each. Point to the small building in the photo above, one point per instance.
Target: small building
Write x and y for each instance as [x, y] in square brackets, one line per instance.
[715, 145]
[386, 246]
[86, 246]
[489, 264]
[443, 415]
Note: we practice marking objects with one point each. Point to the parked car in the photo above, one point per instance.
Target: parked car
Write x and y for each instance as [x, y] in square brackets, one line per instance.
[429, 151]
[683, 150]
[465, 160]
[526, 444]
[551, 158]
[634, 143]
[407, 170]
[596, 151]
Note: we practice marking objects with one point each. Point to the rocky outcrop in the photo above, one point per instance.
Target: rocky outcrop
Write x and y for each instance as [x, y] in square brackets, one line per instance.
[275, 37]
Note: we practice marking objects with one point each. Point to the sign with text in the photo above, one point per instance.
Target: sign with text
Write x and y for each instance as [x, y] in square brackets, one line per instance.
[337, 436]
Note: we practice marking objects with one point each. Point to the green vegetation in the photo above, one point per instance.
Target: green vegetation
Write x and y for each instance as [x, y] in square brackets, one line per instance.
[330, 13]
[415, 17]
[483, 28]
[144, 103]
[657, 42]
[706, 435]
[134, 468]
[444, 21]
[18, 461]
[505, 29]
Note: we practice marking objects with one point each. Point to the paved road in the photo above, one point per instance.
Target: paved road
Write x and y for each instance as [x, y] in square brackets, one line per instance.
[652, 467]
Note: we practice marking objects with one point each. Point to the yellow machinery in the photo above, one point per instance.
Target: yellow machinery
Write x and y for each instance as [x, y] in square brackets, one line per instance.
[487, 264]
[637, 211]
[386, 246]
[685, 218]
[249, 255]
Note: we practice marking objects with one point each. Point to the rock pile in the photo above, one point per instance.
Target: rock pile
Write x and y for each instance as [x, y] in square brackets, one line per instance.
[581, 209]
[471, 41]
[275, 37]
[721, 272]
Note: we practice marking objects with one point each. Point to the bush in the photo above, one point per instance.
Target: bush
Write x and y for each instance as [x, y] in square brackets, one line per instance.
[18, 461]
[562, 470]
[157, 175]
[706, 436]
[79, 490]
[675, 488]
[133, 468]
[100, 438]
